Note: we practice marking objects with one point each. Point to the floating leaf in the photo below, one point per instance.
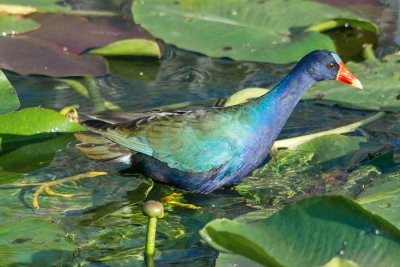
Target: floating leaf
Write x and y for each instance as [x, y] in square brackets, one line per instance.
[16, 9]
[33, 242]
[310, 233]
[131, 47]
[233, 260]
[381, 86]
[334, 150]
[10, 24]
[22, 157]
[267, 31]
[56, 48]
[9, 99]
[33, 6]
[29, 123]
[382, 197]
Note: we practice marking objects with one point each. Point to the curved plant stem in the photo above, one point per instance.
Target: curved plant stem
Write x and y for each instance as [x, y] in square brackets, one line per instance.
[368, 52]
[295, 141]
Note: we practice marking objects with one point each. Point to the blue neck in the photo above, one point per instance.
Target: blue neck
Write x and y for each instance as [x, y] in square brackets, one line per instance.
[274, 108]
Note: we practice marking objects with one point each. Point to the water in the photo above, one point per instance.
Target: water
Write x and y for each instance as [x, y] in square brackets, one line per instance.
[117, 238]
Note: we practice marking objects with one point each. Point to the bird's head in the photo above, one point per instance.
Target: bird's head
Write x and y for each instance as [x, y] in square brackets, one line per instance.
[326, 65]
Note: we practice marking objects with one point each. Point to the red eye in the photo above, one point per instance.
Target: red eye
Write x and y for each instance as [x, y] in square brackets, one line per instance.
[330, 65]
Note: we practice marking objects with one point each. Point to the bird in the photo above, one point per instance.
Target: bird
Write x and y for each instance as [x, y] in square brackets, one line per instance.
[204, 149]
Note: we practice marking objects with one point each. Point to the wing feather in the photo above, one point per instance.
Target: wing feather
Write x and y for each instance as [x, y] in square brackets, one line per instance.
[194, 141]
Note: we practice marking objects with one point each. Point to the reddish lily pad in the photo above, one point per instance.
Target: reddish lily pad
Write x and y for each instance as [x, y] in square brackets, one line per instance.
[56, 48]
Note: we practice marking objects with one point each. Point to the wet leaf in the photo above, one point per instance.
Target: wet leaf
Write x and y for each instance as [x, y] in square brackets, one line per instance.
[9, 99]
[319, 228]
[56, 48]
[131, 47]
[233, 260]
[382, 197]
[266, 31]
[16, 9]
[10, 24]
[40, 5]
[33, 242]
[339, 150]
[29, 123]
[22, 157]
[381, 86]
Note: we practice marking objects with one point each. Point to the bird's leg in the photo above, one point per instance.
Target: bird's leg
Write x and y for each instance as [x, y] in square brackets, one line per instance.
[45, 186]
[170, 199]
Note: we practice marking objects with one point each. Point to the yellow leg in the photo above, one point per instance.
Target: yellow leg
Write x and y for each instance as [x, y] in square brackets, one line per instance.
[170, 200]
[45, 186]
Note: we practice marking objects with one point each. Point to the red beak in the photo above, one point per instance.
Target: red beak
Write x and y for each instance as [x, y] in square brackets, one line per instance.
[345, 76]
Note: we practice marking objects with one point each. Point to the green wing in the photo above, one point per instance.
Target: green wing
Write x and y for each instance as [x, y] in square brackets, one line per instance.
[192, 141]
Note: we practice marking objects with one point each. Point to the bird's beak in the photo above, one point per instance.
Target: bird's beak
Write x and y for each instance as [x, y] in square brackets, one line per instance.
[345, 76]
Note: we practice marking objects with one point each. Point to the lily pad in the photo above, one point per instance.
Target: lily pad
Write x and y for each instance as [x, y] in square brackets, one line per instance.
[30, 123]
[266, 31]
[319, 229]
[131, 47]
[33, 242]
[56, 48]
[36, 5]
[22, 157]
[339, 150]
[382, 197]
[10, 24]
[9, 99]
[381, 86]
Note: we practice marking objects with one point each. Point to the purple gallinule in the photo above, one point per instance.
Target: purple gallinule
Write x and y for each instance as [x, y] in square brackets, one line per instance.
[203, 149]
[206, 148]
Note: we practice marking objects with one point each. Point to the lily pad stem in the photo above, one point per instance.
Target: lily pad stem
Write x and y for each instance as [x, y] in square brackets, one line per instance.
[151, 236]
[154, 210]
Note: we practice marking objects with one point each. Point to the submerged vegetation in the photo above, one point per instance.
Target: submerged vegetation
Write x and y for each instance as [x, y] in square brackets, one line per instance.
[331, 200]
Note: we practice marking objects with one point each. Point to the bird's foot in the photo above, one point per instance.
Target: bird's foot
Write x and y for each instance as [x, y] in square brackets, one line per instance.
[45, 186]
[170, 199]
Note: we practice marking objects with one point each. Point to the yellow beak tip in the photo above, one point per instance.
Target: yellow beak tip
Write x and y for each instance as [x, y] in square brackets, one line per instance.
[356, 83]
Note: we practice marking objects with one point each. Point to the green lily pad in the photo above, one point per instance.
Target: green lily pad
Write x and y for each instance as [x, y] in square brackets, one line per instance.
[10, 24]
[30, 123]
[339, 150]
[233, 260]
[22, 157]
[28, 241]
[9, 99]
[382, 197]
[266, 31]
[131, 47]
[381, 86]
[310, 233]
[40, 5]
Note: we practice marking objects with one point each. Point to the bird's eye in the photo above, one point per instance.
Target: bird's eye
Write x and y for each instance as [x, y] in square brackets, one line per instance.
[330, 65]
